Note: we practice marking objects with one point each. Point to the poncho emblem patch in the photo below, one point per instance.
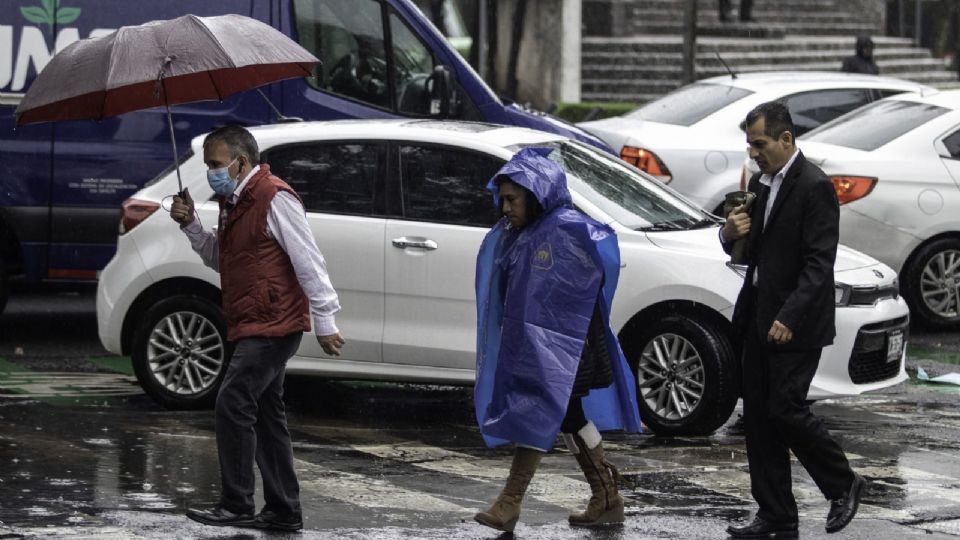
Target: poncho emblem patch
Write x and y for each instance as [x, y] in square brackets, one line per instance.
[543, 257]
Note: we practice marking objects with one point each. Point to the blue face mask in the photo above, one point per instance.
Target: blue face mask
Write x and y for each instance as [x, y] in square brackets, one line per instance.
[220, 181]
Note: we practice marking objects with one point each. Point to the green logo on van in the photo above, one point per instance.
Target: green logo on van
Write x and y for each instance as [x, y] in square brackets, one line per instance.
[50, 13]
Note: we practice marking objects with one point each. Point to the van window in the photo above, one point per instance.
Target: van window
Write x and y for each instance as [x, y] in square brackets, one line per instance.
[332, 178]
[412, 64]
[446, 185]
[347, 36]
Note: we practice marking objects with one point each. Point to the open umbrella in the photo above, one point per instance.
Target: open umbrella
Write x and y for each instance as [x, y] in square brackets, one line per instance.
[162, 63]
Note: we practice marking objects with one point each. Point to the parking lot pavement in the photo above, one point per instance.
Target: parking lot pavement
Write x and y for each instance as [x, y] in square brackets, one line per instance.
[86, 454]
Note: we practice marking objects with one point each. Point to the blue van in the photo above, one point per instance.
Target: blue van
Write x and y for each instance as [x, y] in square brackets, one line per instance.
[63, 183]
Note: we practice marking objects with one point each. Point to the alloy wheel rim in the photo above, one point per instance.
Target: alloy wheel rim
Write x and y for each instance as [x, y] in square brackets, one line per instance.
[670, 376]
[940, 283]
[185, 353]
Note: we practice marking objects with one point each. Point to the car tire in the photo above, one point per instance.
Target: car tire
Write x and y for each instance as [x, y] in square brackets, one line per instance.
[930, 285]
[687, 380]
[180, 352]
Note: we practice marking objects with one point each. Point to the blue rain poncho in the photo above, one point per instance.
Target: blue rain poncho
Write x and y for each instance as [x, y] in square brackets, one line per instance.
[536, 291]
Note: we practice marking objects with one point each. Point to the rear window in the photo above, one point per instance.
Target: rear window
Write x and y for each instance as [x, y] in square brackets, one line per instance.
[876, 124]
[689, 104]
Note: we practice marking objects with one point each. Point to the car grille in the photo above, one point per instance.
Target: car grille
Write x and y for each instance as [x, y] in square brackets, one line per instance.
[868, 363]
[868, 296]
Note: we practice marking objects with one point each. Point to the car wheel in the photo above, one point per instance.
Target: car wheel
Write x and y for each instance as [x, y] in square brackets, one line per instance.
[931, 284]
[180, 352]
[686, 376]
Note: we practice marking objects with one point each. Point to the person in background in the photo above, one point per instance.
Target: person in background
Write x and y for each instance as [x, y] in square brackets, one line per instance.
[862, 61]
[746, 10]
[273, 279]
[547, 360]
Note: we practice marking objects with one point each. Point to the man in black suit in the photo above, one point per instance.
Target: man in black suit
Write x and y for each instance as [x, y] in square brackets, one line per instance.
[783, 318]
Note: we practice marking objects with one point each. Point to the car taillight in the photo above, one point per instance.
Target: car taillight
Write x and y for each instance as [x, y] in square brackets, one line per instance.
[647, 162]
[133, 212]
[851, 188]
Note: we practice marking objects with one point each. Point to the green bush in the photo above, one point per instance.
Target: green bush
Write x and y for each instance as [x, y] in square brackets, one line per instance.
[576, 112]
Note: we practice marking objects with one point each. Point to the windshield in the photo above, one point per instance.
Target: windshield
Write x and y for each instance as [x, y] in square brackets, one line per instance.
[631, 198]
[875, 125]
[690, 104]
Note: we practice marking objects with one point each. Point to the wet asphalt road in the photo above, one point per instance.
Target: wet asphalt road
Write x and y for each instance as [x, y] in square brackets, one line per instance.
[84, 454]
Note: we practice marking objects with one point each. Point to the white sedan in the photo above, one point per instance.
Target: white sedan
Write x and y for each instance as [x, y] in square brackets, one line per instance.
[399, 208]
[896, 167]
[691, 137]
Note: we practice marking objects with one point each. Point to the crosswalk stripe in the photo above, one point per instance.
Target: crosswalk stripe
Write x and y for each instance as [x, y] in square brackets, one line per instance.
[34, 384]
[368, 491]
[553, 488]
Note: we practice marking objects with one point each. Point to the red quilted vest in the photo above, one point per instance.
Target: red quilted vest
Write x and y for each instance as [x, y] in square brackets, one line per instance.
[261, 294]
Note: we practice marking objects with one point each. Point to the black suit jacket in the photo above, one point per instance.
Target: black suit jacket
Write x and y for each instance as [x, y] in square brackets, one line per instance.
[795, 252]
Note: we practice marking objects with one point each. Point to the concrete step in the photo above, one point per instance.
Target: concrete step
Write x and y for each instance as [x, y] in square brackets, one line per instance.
[905, 70]
[646, 17]
[644, 59]
[640, 60]
[629, 86]
[790, 43]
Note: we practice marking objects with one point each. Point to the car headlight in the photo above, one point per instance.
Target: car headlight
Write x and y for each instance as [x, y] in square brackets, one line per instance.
[841, 291]
[841, 294]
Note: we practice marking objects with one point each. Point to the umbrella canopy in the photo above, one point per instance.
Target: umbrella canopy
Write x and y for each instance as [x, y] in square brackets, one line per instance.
[159, 63]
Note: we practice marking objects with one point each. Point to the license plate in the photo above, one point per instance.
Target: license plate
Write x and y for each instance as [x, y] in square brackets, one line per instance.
[894, 345]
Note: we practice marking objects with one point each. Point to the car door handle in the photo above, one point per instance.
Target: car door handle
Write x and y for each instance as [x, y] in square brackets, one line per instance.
[414, 242]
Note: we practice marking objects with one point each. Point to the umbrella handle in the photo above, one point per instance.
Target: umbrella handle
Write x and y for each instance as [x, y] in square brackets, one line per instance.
[173, 143]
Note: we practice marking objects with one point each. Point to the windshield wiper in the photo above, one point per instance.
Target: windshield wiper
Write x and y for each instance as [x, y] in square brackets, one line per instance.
[706, 222]
[661, 226]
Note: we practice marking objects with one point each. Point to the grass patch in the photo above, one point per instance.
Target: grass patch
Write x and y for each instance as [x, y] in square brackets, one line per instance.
[117, 364]
[917, 353]
[7, 367]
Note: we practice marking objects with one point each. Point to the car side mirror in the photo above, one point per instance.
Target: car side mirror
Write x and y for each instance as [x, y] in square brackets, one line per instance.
[442, 92]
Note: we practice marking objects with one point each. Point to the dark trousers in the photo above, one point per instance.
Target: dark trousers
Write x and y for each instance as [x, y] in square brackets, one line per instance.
[575, 418]
[251, 425]
[777, 420]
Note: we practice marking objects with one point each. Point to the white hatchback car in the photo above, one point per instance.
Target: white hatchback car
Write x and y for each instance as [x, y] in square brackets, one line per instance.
[399, 209]
[691, 137]
[896, 166]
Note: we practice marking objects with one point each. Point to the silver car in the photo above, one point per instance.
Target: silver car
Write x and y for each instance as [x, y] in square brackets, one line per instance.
[691, 139]
[896, 167]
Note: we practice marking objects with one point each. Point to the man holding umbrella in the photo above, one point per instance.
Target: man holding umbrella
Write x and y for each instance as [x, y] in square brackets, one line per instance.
[273, 279]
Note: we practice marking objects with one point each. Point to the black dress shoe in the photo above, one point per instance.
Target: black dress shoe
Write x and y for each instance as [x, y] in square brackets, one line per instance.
[842, 510]
[268, 519]
[220, 516]
[761, 528]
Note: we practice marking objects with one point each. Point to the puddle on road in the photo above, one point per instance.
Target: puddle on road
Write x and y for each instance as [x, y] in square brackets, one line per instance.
[76, 465]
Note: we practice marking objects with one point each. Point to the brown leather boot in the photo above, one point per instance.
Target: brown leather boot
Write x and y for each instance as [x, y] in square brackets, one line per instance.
[505, 512]
[606, 504]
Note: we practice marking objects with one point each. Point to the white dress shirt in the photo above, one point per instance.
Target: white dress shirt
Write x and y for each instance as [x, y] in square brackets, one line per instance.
[774, 183]
[287, 224]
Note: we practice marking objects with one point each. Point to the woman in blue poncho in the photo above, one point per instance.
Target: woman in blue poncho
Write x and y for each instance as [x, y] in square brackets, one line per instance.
[547, 360]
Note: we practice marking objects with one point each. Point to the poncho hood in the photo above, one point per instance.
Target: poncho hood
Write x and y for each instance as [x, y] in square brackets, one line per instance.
[531, 169]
